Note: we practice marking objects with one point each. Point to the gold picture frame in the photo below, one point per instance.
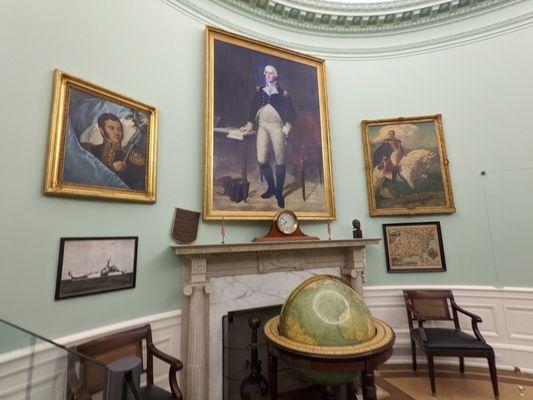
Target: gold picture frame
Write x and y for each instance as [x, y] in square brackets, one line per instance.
[102, 145]
[407, 169]
[247, 180]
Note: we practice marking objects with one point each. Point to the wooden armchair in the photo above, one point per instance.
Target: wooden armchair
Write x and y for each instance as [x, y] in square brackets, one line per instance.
[434, 305]
[87, 380]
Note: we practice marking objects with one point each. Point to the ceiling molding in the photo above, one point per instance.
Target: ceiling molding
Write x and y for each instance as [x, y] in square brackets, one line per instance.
[203, 15]
[354, 6]
[327, 17]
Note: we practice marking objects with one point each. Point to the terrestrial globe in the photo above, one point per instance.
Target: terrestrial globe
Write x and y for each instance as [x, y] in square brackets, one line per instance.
[326, 317]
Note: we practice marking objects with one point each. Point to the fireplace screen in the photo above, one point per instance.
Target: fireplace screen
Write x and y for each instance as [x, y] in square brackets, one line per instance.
[245, 368]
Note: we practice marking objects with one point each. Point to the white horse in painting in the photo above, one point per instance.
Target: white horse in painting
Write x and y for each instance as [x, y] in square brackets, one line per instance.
[414, 166]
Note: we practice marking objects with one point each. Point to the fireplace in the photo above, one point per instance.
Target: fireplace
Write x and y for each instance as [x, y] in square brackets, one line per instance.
[221, 278]
[244, 354]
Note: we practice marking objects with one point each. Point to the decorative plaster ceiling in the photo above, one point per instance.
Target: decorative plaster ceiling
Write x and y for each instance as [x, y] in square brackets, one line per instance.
[362, 16]
[512, 15]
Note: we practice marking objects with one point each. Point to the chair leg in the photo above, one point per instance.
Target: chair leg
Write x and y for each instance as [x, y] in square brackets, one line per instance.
[462, 365]
[413, 354]
[431, 369]
[493, 375]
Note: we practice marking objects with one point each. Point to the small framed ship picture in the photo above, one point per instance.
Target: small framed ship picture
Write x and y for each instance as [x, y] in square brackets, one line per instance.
[95, 265]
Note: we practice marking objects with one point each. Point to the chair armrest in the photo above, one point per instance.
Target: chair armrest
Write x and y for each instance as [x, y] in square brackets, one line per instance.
[175, 366]
[475, 319]
[174, 362]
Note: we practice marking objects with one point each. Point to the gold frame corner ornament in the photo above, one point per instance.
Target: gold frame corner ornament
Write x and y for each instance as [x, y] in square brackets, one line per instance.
[449, 205]
[209, 213]
[53, 180]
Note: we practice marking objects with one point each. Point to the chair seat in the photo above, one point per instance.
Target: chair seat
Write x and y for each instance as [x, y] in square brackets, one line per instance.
[442, 338]
[155, 393]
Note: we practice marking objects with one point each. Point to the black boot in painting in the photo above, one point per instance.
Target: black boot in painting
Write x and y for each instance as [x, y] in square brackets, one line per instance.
[266, 171]
[280, 183]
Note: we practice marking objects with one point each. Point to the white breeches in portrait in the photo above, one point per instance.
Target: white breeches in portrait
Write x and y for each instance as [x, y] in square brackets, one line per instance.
[269, 133]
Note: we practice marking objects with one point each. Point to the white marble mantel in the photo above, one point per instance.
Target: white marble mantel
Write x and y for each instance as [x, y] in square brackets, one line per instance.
[205, 262]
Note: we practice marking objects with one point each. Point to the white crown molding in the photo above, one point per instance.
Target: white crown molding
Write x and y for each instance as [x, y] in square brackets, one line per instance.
[371, 25]
[203, 15]
[354, 6]
[332, 20]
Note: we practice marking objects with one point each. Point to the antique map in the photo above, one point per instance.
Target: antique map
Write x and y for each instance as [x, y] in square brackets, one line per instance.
[414, 246]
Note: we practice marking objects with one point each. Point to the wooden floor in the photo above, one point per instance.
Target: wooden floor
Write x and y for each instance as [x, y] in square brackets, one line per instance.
[400, 382]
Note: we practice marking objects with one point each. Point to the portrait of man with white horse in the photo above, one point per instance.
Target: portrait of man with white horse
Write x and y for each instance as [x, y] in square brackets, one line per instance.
[405, 165]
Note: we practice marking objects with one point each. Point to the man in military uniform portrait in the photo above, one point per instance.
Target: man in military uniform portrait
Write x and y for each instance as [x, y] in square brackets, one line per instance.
[266, 133]
[126, 162]
[272, 112]
[389, 154]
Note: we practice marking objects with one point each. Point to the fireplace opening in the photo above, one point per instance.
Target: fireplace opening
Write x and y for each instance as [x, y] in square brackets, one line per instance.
[244, 354]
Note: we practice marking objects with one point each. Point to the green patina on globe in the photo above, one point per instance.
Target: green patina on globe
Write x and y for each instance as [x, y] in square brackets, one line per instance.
[324, 311]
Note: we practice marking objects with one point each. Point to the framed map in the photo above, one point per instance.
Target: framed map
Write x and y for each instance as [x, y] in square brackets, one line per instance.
[414, 247]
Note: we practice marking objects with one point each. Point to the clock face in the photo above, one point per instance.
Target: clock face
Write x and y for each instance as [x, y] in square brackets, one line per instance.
[286, 222]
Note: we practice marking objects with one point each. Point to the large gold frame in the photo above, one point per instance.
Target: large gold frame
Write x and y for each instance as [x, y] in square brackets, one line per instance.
[53, 184]
[447, 208]
[211, 34]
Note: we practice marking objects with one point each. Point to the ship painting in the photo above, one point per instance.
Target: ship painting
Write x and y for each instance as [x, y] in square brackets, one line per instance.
[107, 270]
[96, 265]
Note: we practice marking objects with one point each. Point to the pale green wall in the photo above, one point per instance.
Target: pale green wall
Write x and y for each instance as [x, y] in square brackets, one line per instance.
[153, 53]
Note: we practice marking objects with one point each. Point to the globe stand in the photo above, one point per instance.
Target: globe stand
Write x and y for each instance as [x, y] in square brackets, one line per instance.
[364, 361]
[367, 364]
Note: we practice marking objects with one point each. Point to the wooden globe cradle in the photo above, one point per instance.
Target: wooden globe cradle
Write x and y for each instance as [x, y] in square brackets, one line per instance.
[340, 358]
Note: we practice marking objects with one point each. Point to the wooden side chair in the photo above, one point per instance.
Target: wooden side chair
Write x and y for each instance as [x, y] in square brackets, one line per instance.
[86, 379]
[435, 305]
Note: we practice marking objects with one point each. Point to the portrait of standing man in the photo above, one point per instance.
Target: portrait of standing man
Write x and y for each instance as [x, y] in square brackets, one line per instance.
[267, 136]
[273, 113]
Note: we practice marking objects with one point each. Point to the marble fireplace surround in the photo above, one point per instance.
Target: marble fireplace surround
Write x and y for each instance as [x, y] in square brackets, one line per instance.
[205, 264]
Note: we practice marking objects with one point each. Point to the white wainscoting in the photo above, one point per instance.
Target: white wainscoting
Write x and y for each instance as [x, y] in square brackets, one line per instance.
[39, 372]
[507, 325]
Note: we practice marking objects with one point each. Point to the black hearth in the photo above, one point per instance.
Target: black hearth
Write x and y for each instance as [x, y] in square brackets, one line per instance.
[244, 353]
